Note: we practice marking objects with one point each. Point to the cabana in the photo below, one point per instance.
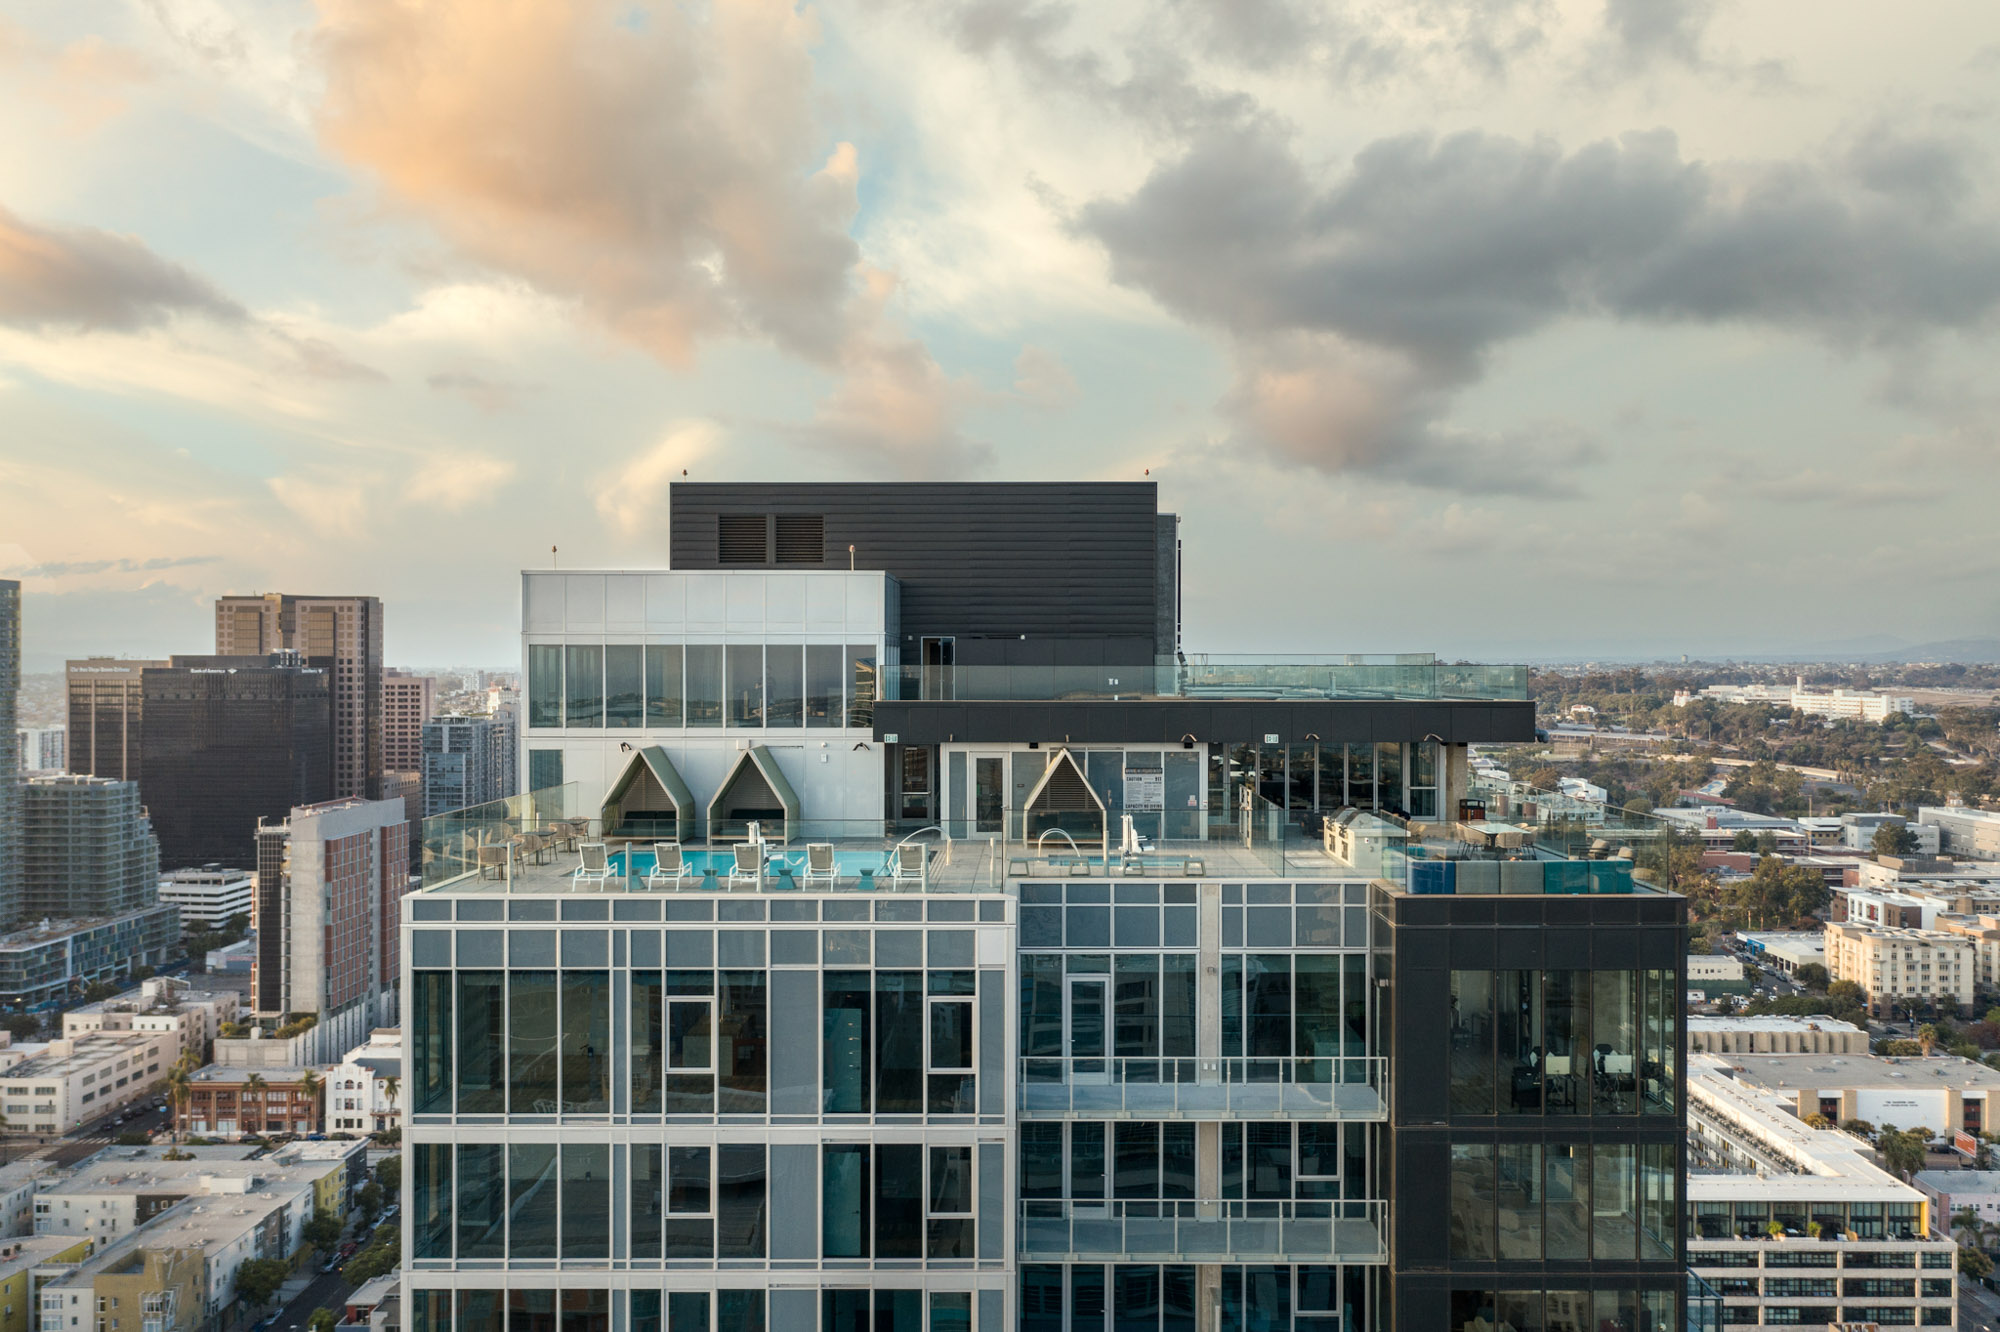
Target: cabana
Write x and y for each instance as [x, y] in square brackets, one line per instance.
[1062, 805]
[754, 791]
[648, 801]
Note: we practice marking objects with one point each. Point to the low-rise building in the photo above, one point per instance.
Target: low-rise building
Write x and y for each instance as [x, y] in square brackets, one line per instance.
[1954, 1191]
[1903, 965]
[227, 1103]
[57, 958]
[1785, 951]
[65, 1083]
[1973, 833]
[209, 896]
[161, 1287]
[1774, 1034]
[364, 1092]
[25, 1260]
[113, 1194]
[237, 959]
[1857, 831]
[164, 1003]
[1797, 1226]
[1716, 973]
[1941, 1093]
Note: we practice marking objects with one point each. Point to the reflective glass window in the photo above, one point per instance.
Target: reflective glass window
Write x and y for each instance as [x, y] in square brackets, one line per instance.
[663, 684]
[862, 688]
[649, 1037]
[704, 684]
[531, 1200]
[482, 1200]
[586, 1200]
[624, 688]
[1472, 1203]
[745, 664]
[1614, 1198]
[1518, 1189]
[586, 1042]
[825, 669]
[545, 684]
[532, 1084]
[583, 684]
[430, 1042]
[649, 1198]
[785, 683]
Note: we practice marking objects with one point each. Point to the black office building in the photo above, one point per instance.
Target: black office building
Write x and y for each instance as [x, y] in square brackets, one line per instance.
[229, 741]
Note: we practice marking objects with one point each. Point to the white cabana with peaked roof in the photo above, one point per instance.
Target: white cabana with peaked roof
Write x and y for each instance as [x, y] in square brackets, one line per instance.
[755, 788]
[648, 799]
[1064, 800]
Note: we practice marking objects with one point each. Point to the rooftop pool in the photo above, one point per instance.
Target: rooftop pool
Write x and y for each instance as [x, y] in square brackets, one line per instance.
[783, 862]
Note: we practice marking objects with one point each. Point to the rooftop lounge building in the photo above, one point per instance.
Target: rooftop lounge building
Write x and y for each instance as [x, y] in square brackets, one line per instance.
[902, 931]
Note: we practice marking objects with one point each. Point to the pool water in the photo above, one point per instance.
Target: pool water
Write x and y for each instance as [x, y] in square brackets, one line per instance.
[781, 862]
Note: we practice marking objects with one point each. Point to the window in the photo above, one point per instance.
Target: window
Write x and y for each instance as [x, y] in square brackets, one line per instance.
[690, 1203]
[663, 684]
[874, 1200]
[949, 1211]
[545, 684]
[862, 690]
[823, 696]
[785, 684]
[704, 684]
[583, 685]
[624, 685]
[745, 663]
[691, 1035]
[951, 1039]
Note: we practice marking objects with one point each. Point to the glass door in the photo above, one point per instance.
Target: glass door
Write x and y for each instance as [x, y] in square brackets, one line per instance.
[989, 793]
[1086, 1022]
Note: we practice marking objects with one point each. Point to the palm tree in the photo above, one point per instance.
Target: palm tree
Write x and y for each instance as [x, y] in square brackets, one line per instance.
[180, 1090]
[253, 1088]
[392, 1087]
[1927, 1039]
[1965, 1225]
[309, 1088]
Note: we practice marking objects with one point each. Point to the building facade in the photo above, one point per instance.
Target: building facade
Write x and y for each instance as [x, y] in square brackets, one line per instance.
[68, 1083]
[238, 1102]
[209, 896]
[43, 749]
[365, 1093]
[330, 879]
[341, 636]
[1065, 982]
[408, 701]
[106, 697]
[464, 762]
[1903, 966]
[87, 849]
[1973, 834]
[10, 741]
[230, 741]
[58, 959]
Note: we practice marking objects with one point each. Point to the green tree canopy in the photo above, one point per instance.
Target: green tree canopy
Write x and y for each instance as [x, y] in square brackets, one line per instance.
[258, 1279]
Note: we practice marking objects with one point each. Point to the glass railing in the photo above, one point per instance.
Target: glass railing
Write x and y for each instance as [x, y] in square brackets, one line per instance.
[1340, 1087]
[1704, 1306]
[1204, 1231]
[1409, 677]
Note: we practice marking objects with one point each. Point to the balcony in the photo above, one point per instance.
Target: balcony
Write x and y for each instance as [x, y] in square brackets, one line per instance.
[1349, 1087]
[1212, 1231]
[1417, 677]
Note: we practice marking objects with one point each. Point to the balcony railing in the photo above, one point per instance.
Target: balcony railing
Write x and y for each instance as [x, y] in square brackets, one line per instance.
[1342, 1087]
[1410, 676]
[1210, 1231]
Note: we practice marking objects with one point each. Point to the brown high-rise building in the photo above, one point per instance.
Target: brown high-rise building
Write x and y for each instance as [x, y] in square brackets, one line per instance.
[407, 703]
[342, 635]
[106, 716]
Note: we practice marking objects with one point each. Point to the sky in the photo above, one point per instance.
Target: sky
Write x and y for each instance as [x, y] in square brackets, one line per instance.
[1504, 329]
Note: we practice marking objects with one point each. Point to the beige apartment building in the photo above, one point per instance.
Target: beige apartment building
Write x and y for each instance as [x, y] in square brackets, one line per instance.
[67, 1083]
[1902, 965]
[1774, 1034]
[407, 703]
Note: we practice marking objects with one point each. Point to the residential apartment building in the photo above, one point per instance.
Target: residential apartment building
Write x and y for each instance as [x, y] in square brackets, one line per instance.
[1973, 834]
[10, 741]
[57, 959]
[364, 1094]
[464, 762]
[106, 698]
[230, 741]
[209, 896]
[1952, 1192]
[87, 850]
[1066, 979]
[66, 1083]
[25, 1261]
[339, 635]
[227, 1103]
[111, 1195]
[1797, 1226]
[161, 1003]
[1775, 1034]
[1901, 966]
[43, 749]
[408, 701]
[329, 882]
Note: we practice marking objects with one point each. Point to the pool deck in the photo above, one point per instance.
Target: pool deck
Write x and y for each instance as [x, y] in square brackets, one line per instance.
[963, 866]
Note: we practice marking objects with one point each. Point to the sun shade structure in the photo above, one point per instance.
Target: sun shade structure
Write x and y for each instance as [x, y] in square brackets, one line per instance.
[1063, 802]
[755, 789]
[649, 800]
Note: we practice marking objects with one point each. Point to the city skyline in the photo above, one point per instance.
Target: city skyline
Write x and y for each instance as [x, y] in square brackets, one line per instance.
[1618, 306]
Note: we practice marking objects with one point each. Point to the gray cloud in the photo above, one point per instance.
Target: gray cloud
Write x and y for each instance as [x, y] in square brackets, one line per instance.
[83, 568]
[1358, 308]
[1650, 30]
[83, 278]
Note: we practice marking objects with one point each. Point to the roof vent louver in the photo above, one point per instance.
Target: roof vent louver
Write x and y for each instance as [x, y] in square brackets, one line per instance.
[742, 538]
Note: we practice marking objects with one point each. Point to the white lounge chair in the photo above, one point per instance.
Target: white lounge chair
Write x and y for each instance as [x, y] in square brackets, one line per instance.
[908, 861]
[820, 863]
[595, 866]
[749, 866]
[669, 866]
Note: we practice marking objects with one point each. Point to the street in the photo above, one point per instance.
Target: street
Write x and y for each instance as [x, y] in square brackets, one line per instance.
[326, 1289]
[1978, 1307]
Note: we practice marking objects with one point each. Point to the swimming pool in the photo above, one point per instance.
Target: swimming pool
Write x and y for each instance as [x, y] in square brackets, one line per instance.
[780, 862]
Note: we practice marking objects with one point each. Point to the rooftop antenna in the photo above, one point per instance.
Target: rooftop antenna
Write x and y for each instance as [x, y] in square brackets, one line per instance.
[850, 557]
[552, 558]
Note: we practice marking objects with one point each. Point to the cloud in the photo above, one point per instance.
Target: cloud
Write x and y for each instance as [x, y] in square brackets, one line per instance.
[1645, 31]
[1042, 380]
[486, 394]
[457, 481]
[1357, 308]
[83, 278]
[635, 498]
[14, 561]
[656, 168]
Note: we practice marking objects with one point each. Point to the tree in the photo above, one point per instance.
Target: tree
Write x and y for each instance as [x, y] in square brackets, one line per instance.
[1860, 1128]
[1895, 839]
[1767, 843]
[1846, 992]
[1818, 1122]
[1927, 1039]
[1965, 1224]
[258, 1279]
[1902, 1150]
[1812, 975]
[180, 1090]
[322, 1319]
[323, 1231]
[1974, 1263]
[1744, 840]
[23, 1026]
[369, 1199]
[252, 1094]
[389, 1174]
[392, 1087]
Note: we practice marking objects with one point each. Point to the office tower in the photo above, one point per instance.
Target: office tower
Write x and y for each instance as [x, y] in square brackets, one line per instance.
[963, 957]
[87, 849]
[106, 711]
[10, 758]
[408, 701]
[340, 635]
[330, 878]
[209, 897]
[231, 741]
[463, 762]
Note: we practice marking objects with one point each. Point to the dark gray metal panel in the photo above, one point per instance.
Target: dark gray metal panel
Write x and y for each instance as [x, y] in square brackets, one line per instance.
[794, 1310]
[992, 1042]
[992, 1311]
[794, 1043]
[992, 1200]
[1000, 559]
[794, 1201]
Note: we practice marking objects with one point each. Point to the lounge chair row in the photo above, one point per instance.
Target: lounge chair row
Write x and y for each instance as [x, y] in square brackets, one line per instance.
[672, 869]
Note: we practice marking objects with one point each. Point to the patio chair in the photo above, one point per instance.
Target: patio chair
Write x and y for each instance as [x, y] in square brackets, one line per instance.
[908, 861]
[749, 866]
[498, 857]
[820, 863]
[595, 866]
[669, 866]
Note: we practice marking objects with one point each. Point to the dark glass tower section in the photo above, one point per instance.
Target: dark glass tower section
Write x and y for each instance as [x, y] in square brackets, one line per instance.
[1538, 1119]
[229, 741]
